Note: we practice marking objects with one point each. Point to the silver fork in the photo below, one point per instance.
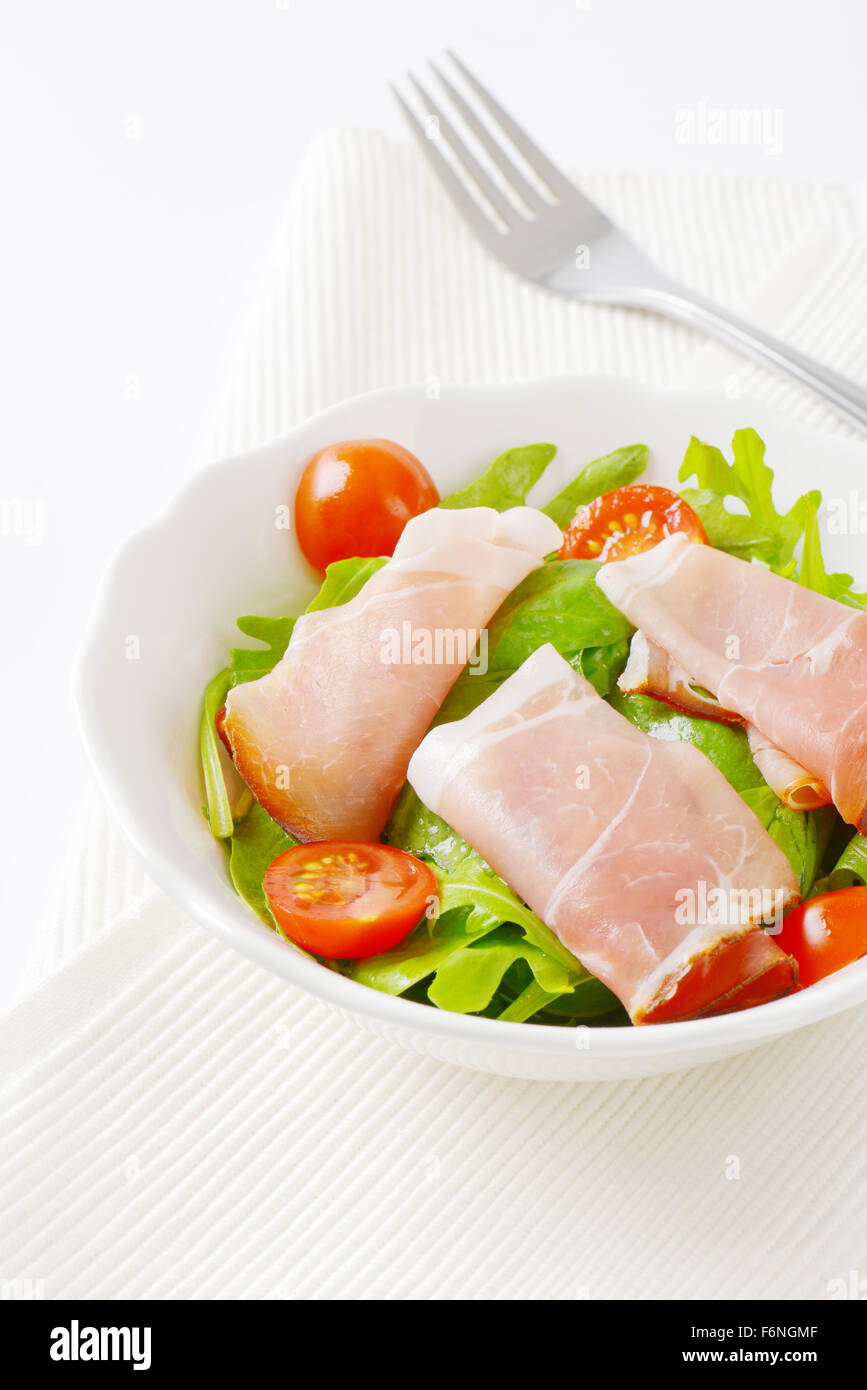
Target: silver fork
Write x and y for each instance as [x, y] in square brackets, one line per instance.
[544, 228]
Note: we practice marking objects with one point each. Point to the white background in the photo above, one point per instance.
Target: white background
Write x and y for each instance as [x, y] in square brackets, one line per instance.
[149, 146]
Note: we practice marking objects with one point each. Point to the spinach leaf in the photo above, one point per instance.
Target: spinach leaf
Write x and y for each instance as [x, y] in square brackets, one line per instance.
[344, 579]
[617, 469]
[257, 839]
[560, 602]
[507, 481]
[851, 867]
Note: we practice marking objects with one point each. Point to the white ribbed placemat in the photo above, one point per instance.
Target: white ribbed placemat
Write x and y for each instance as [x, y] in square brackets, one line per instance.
[178, 1123]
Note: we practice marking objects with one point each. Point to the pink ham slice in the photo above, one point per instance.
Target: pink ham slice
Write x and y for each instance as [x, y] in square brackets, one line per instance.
[651, 671]
[636, 852]
[787, 660]
[324, 739]
[793, 784]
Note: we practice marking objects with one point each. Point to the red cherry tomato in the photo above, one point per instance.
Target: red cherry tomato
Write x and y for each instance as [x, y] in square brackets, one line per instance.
[826, 933]
[628, 521]
[347, 901]
[356, 497]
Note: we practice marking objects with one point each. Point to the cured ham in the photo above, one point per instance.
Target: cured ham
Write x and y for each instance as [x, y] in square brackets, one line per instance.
[635, 851]
[788, 661]
[651, 671]
[324, 739]
[793, 784]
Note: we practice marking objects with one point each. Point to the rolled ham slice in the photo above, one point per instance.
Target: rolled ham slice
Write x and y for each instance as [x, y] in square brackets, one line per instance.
[793, 784]
[652, 671]
[324, 739]
[636, 852]
[788, 661]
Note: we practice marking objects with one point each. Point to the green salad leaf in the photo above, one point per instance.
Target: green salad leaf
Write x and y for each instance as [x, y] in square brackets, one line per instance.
[758, 531]
[257, 840]
[344, 579]
[248, 664]
[507, 481]
[813, 574]
[851, 868]
[762, 533]
[218, 807]
[560, 602]
[617, 469]
[468, 980]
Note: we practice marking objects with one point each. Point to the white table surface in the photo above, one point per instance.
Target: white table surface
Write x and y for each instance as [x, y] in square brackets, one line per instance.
[149, 150]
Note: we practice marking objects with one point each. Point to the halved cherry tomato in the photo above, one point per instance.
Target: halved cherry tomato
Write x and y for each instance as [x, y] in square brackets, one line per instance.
[356, 497]
[627, 522]
[826, 933]
[348, 901]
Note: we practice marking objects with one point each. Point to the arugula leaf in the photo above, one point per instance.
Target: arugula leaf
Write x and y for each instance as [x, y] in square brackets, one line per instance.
[617, 469]
[218, 809]
[761, 533]
[467, 981]
[533, 999]
[421, 953]
[507, 481]
[736, 532]
[765, 534]
[248, 664]
[813, 574]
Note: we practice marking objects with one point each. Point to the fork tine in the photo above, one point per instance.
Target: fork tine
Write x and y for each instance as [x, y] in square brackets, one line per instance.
[536, 158]
[480, 222]
[501, 205]
[507, 166]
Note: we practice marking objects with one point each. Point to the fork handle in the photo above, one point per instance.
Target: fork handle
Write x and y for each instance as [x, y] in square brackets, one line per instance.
[847, 397]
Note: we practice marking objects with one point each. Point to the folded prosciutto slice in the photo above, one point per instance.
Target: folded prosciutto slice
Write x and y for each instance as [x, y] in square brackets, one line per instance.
[636, 852]
[651, 671]
[324, 739]
[787, 660]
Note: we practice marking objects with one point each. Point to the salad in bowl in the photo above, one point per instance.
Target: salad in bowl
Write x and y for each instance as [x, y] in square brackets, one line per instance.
[594, 763]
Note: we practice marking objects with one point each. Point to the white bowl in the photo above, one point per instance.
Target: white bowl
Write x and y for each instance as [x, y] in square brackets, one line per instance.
[165, 618]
